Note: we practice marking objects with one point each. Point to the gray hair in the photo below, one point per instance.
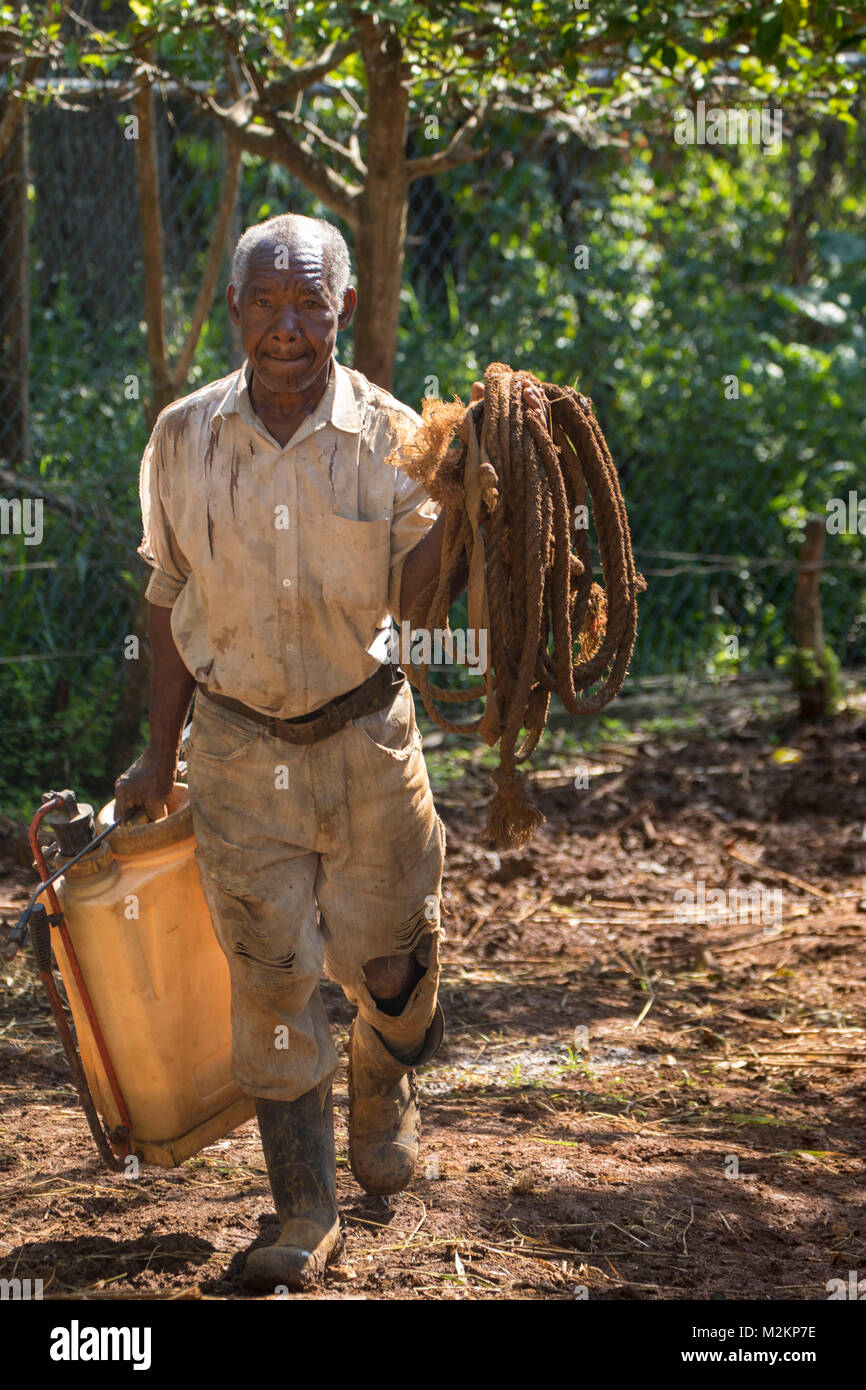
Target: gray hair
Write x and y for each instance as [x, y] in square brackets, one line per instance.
[285, 228]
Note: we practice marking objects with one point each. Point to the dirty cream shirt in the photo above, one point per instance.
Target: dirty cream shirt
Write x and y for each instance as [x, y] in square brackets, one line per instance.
[280, 564]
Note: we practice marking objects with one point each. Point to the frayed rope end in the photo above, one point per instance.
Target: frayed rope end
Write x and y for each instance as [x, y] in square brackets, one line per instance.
[512, 816]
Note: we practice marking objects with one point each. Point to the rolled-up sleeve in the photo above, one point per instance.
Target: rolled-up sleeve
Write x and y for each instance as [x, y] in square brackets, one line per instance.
[158, 545]
[413, 516]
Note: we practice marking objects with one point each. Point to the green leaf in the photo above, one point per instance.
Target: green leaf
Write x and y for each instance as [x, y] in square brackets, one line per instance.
[769, 34]
[846, 248]
[812, 303]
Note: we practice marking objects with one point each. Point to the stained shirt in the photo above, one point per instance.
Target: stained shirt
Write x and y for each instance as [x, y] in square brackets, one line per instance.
[281, 564]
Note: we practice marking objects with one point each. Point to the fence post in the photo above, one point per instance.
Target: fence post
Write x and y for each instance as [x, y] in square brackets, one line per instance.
[813, 677]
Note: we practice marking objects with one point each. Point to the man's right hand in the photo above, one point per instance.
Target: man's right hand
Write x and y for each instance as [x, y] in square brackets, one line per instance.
[147, 783]
[150, 780]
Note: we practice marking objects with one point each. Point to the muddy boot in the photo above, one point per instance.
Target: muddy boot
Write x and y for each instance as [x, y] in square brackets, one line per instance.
[384, 1121]
[298, 1143]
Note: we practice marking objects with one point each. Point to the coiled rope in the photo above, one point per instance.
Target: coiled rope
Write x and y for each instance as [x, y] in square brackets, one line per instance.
[517, 494]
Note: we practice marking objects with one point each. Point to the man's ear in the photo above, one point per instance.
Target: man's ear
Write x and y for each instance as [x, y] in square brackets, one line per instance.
[231, 300]
[347, 313]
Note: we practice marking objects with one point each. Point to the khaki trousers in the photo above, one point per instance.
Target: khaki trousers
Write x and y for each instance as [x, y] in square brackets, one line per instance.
[314, 859]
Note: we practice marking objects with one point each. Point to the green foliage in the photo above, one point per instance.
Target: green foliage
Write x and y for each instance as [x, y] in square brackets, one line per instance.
[688, 283]
[609, 51]
[683, 291]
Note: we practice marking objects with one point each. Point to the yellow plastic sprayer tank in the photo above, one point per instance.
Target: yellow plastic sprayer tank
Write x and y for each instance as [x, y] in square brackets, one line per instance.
[159, 985]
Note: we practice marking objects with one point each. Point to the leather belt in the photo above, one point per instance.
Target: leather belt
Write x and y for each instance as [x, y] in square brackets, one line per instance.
[373, 694]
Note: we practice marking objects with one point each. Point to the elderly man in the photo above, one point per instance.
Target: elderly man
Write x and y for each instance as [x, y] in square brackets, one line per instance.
[280, 543]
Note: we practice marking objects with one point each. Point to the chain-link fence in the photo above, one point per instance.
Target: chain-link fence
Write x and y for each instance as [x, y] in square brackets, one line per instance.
[532, 254]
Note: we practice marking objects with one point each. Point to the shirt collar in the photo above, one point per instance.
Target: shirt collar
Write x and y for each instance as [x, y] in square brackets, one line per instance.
[337, 407]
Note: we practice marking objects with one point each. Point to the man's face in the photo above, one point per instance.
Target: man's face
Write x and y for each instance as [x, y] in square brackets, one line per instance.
[288, 315]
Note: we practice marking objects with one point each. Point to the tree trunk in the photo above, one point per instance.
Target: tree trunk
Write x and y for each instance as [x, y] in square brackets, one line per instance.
[233, 236]
[162, 391]
[807, 198]
[125, 740]
[126, 727]
[15, 301]
[381, 233]
[167, 380]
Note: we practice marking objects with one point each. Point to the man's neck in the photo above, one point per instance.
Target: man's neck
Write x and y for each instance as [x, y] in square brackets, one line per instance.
[283, 415]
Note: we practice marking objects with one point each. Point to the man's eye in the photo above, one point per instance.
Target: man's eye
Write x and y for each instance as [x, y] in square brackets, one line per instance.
[262, 303]
[313, 303]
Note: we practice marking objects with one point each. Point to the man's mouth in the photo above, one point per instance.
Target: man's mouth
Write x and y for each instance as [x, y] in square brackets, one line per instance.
[272, 356]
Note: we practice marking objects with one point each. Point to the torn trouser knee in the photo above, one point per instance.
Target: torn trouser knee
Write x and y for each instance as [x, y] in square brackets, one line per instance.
[384, 904]
[406, 1030]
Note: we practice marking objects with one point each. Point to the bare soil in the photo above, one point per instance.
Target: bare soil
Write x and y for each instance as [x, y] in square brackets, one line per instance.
[628, 1105]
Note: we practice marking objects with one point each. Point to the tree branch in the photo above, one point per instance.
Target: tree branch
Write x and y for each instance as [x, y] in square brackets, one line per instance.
[439, 164]
[277, 144]
[274, 143]
[351, 155]
[15, 106]
[455, 151]
[18, 482]
[304, 76]
[335, 191]
[204, 299]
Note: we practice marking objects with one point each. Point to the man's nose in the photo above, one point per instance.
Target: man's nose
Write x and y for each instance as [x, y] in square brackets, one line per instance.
[284, 323]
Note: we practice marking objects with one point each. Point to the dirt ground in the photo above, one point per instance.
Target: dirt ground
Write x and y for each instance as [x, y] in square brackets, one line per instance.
[628, 1105]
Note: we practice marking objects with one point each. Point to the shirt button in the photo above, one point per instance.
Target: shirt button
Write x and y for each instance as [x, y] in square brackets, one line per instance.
[287, 583]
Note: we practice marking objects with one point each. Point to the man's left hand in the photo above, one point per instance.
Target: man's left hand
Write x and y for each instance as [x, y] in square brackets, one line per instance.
[533, 397]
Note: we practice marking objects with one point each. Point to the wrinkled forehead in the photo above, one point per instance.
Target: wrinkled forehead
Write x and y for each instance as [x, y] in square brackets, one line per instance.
[301, 254]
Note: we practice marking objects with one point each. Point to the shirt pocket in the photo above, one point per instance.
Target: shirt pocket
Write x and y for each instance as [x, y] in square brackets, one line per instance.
[358, 562]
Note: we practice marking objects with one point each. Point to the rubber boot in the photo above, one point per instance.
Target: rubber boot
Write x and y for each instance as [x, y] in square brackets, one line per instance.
[384, 1119]
[298, 1144]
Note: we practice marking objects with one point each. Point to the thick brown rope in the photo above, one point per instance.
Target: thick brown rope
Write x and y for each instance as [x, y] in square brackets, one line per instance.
[517, 494]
